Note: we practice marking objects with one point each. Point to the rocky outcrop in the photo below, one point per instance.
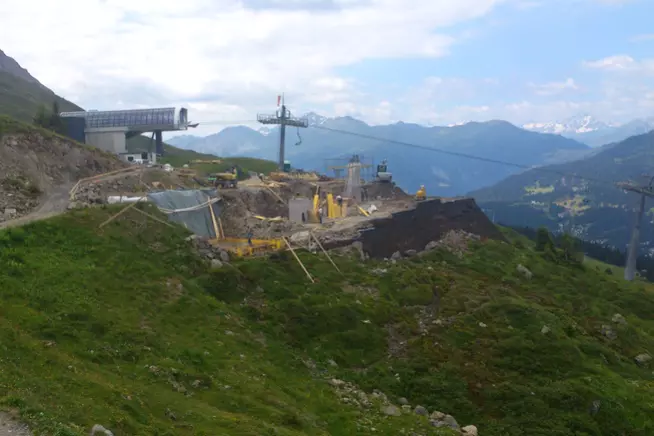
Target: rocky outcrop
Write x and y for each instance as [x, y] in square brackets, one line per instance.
[378, 402]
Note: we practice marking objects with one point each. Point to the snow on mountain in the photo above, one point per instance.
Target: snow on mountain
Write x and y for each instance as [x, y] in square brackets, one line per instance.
[315, 119]
[574, 125]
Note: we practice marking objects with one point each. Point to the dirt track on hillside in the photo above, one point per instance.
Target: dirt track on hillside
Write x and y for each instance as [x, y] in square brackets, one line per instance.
[52, 204]
[9, 427]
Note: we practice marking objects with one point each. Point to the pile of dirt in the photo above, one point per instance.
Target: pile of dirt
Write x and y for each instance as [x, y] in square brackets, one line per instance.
[240, 207]
[36, 166]
[385, 191]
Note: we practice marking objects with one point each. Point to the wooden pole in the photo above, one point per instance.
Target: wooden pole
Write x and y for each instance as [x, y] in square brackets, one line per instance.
[325, 251]
[288, 244]
[120, 213]
[220, 224]
[155, 218]
[275, 194]
[213, 219]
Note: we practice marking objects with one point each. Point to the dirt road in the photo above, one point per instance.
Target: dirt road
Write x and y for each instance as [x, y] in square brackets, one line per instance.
[9, 427]
[54, 203]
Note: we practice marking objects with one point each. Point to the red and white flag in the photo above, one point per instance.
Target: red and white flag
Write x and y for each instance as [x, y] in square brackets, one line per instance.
[279, 100]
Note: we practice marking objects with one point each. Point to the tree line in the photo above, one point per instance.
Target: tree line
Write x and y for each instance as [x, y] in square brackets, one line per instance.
[575, 248]
[48, 118]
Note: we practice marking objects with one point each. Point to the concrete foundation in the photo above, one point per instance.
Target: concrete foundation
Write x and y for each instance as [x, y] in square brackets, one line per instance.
[297, 207]
[112, 140]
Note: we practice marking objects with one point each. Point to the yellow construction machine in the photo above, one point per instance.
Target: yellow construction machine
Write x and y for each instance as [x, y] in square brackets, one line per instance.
[228, 179]
[421, 194]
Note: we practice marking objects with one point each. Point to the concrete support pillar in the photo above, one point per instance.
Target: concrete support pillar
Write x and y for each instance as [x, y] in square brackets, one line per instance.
[158, 139]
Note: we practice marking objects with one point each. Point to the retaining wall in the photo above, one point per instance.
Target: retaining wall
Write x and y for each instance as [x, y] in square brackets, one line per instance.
[413, 229]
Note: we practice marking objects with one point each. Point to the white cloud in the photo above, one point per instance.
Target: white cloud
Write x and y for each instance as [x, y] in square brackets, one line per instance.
[622, 63]
[553, 88]
[228, 59]
[219, 55]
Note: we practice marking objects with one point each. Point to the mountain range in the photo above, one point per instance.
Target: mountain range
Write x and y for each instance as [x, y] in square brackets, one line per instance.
[595, 133]
[579, 196]
[416, 154]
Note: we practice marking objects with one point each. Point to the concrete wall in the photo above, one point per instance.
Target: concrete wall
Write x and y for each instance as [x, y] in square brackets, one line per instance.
[413, 229]
[109, 140]
[298, 206]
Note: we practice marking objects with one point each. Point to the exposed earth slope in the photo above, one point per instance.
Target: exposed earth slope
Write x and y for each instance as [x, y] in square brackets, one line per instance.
[38, 168]
[128, 328]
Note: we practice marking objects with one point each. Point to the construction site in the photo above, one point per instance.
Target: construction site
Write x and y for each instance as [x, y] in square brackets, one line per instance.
[285, 210]
[245, 213]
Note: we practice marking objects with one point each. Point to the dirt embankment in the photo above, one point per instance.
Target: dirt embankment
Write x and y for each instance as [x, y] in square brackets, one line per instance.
[241, 206]
[36, 171]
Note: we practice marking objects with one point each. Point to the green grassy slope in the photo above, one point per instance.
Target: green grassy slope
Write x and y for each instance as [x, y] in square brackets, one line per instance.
[117, 327]
[126, 326]
[20, 99]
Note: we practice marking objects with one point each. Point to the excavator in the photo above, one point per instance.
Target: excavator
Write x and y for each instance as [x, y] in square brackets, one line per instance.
[227, 179]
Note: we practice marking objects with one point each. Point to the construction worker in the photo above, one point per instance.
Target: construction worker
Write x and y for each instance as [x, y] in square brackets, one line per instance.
[250, 235]
[320, 215]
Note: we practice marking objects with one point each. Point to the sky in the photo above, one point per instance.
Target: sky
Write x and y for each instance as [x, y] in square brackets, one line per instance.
[433, 62]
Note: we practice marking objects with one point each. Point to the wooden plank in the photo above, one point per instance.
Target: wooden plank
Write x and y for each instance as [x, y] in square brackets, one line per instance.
[288, 244]
[275, 194]
[325, 251]
[213, 220]
[155, 218]
[220, 225]
[122, 211]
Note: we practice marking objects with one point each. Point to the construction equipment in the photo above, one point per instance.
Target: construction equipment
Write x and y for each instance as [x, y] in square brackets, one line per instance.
[243, 247]
[382, 172]
[228, 179]
[421, 194]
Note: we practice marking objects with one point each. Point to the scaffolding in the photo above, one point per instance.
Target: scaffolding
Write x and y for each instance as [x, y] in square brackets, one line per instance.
[338, 167]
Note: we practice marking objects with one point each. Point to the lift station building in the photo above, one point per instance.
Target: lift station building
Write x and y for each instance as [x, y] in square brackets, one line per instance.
[109, 130]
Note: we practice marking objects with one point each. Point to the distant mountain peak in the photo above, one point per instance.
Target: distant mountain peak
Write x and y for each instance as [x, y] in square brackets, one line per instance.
[10, 66]
[315, 119]
[582, 123]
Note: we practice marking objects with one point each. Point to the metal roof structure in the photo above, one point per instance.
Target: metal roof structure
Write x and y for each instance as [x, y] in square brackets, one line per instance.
[136, 120]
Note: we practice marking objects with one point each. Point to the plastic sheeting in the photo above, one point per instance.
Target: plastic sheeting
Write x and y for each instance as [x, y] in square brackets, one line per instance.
[190, 208]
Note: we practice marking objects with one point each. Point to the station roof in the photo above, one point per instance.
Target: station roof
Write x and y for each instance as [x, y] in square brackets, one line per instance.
[144, 120]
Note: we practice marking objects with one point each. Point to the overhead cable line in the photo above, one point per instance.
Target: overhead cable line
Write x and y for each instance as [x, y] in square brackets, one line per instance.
[463, 155]
[440, 150]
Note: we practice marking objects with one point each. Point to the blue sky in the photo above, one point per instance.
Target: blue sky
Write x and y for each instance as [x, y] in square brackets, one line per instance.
[546, 43]
[425, 61]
